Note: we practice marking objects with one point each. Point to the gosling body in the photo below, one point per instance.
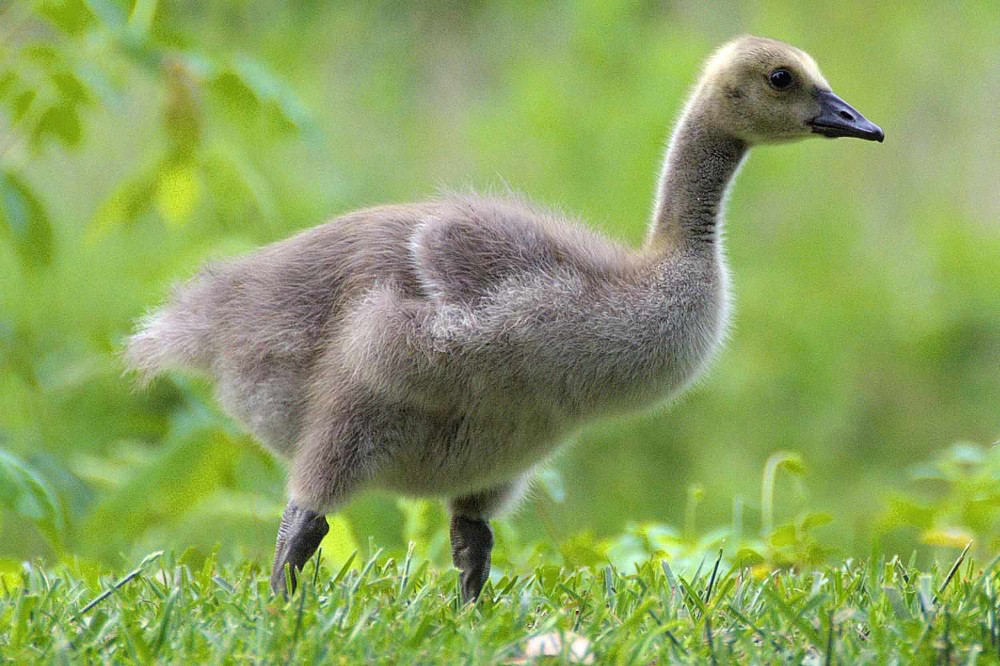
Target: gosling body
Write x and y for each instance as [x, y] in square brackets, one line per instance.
[446, 348]
[459, 377]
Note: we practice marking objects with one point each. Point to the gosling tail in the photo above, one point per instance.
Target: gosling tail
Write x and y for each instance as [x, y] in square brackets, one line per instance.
[175, 336]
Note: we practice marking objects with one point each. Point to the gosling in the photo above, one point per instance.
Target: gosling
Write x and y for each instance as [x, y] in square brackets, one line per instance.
[447, 348]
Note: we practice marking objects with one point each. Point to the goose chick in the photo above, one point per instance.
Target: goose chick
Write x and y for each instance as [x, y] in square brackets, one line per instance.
[446, 348]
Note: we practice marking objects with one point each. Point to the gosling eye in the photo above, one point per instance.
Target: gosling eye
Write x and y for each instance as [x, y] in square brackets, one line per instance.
[780, 79]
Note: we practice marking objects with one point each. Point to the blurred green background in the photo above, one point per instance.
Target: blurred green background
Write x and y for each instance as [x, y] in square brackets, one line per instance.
[137, 140]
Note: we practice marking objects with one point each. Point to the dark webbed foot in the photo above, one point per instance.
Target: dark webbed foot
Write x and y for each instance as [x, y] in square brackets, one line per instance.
[299, 535]
[471, 545]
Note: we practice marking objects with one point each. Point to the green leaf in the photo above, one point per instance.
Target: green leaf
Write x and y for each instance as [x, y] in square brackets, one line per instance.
[815, 519]
[749, 557]
[25, 493]
[907, 511]
[21, 103]
[141, 18]
[178, 192]
[246, 90]
[128, 202]
[71, 16]
[783, 535]
[271, 90]
[792, 463]
[240, 194]
[60, 122]
[44, 54]
[8, 81]
[25, 221]
[234, 95]
[70, 87]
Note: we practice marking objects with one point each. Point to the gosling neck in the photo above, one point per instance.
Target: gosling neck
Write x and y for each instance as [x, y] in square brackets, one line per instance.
[700, 163]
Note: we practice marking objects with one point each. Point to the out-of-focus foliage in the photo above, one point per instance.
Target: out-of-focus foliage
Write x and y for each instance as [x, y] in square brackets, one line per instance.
[955, 499]
[139, 138]
[26, 494]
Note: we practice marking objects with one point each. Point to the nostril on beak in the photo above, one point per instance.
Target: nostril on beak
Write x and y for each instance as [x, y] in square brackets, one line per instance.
[846, 115]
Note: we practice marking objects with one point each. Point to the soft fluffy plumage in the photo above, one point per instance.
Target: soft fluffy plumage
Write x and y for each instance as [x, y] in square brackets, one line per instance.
[446, 348]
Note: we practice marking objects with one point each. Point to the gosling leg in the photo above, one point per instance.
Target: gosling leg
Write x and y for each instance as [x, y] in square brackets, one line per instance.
[471, 536]
[471, 545]
[332, 458]
[299, 535]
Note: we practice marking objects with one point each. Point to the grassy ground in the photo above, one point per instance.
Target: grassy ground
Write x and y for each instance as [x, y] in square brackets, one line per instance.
[399, 612]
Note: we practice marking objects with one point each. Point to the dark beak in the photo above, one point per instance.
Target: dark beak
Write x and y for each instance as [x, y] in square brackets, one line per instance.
[838, 118]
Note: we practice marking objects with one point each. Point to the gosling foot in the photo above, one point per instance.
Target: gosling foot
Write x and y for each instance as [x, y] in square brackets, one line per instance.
[471, 545]
[299, 535]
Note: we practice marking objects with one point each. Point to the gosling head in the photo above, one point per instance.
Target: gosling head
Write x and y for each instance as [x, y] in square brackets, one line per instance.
[765, 91]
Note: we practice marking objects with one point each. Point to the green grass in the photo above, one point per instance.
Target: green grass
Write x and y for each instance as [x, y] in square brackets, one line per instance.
[393, 611]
